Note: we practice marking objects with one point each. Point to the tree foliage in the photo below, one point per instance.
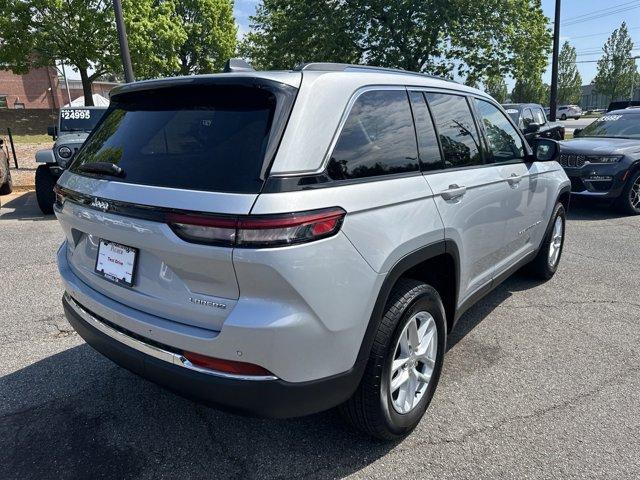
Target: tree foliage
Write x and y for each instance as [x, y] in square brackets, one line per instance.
[530, 89]
[569, 79]
[616, 69]
[497, 88]
[472, 39]
[179, 37]
[36, 33]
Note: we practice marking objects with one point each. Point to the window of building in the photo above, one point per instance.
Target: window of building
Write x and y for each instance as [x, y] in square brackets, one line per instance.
[3, 101]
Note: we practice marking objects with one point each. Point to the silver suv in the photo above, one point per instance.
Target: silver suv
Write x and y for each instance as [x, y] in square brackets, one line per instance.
[280, 243]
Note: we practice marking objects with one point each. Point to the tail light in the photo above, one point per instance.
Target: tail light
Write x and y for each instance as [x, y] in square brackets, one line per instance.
[257, 231]
[226, 366]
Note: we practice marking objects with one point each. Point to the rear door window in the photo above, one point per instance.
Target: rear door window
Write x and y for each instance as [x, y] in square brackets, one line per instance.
[457, 130]
[539, 116]
[378, 138]
[527, 117]
[210, 138]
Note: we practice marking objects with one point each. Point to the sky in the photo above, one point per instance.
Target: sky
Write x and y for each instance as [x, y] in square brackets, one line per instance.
[586, 24]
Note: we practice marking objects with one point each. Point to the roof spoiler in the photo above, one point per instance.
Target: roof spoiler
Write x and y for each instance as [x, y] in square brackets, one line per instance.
[237, 65]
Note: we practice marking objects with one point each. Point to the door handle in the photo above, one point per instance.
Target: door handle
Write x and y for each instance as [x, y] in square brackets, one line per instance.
[453, 192]
[514, 179]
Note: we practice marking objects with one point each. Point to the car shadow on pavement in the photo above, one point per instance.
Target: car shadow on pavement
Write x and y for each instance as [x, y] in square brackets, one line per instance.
[475, 315]
[21, 206]
[77, 415]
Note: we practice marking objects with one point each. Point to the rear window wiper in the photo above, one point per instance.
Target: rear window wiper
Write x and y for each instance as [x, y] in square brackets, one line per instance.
[102, 168]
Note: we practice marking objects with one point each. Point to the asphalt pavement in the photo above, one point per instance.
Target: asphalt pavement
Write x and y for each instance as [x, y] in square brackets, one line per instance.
[542, 380]
[571, 124]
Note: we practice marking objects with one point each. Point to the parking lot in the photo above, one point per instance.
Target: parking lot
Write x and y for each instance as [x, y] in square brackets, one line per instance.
[541, 381]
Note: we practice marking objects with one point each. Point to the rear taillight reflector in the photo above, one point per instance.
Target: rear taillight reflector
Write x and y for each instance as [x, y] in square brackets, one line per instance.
[258, 230]
[226, 366]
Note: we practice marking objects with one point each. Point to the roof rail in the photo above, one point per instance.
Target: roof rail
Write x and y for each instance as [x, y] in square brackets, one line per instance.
[348, 67]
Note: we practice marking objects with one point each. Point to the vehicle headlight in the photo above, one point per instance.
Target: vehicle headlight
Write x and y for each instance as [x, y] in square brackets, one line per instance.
[604, 158]
[65, 152]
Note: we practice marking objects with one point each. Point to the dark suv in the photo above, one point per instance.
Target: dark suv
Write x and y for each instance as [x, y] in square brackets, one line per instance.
[533, 122]
[603, 159]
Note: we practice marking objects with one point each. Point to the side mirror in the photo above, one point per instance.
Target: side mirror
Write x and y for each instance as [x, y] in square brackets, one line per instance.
[52, 131]
[545, 150]
[45, 156]
[577, 132]
[532, 128]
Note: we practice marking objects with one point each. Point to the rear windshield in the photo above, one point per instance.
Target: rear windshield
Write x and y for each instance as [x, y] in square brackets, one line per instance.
[79, 119]
[210, 138]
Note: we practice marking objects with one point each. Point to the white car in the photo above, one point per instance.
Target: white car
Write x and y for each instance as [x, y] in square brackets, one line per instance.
[568, 111]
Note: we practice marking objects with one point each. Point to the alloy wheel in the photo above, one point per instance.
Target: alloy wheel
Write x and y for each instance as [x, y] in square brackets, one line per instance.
[413, 362]
[556, 241]
[634, 194]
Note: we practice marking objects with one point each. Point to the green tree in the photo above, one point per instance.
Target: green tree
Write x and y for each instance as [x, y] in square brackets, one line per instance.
[469, 38]
[497, 88]
[179, 37]
[530, 89]
[36, 33]
[616, 69]
[569, 79]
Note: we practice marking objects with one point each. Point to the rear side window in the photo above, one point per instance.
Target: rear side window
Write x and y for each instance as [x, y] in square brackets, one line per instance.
[458, 134]
[210, 138]
[527, 117]
[504, 141]
[427, 141]
[378, 138]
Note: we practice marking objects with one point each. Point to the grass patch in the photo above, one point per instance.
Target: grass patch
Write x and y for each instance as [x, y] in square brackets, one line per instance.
[25, 139]
[568, 135]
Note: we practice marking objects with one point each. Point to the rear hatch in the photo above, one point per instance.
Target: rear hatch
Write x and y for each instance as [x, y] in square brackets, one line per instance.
[166, 150]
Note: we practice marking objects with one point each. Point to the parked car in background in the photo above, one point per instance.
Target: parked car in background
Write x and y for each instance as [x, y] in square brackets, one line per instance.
[6, 183]
[281, 243]
[74, 126]
[568, 111]
[620, 104]
[533, 122]
[603, 159]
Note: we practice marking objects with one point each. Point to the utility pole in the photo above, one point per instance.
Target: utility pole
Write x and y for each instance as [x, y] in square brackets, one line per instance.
[124, 44]
[553, 101]
[66, 81]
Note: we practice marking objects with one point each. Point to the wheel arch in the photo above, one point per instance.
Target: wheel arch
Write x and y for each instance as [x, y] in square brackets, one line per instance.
[564, 197]
[426, 264]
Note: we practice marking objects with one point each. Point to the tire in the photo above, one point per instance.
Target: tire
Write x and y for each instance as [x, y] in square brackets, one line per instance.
[563, 117]
[7, 186]
[45, 181]
[374, 408]
[629, 201]
[542, 266]
[576, 118]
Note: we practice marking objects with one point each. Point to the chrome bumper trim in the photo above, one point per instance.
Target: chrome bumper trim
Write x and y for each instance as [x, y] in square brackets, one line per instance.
[152, 350]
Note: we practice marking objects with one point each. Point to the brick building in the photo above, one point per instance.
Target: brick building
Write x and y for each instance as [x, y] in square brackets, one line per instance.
[40, 88]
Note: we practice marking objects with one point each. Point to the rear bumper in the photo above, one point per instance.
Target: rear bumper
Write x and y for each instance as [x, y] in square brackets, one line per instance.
[264, 396]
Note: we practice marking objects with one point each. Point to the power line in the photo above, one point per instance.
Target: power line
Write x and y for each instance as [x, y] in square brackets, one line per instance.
[597, 34]
[599, 11]
[598, 14]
